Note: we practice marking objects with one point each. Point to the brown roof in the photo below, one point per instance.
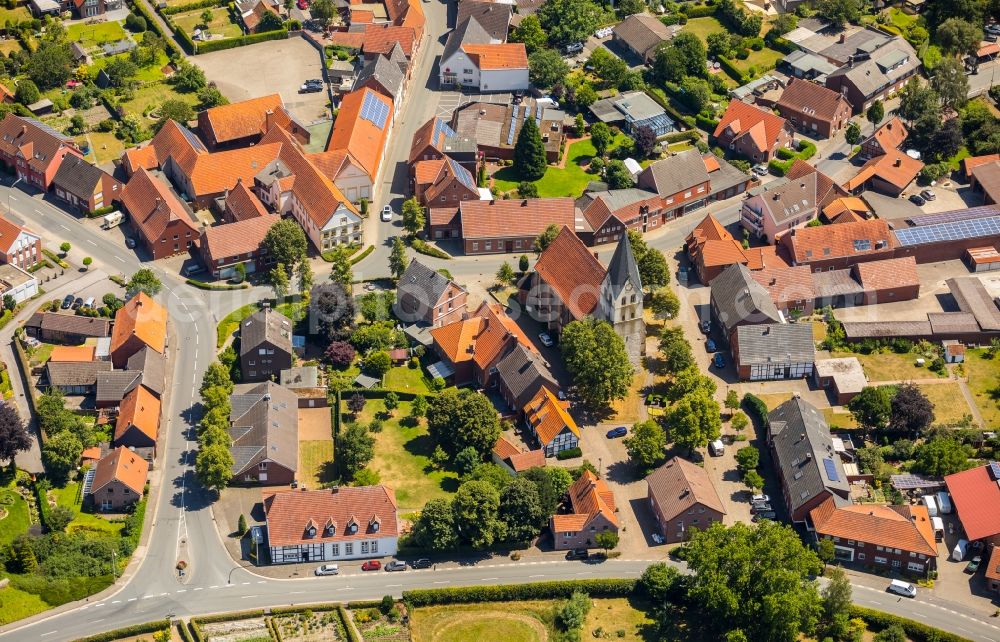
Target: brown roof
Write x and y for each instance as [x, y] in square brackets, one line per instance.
[123, 465]
[71, 324]
[233, 239]
[972, 162]
[907, 528]
[814, 100]
[993, 565]
[810, 244]
[888, 273]
[73, 353]
[369, 510]
[643, 32]
[744, 119]
[506, 55]
[678, 485]
[845, 209]
[380, 39]
[572, 272]
[515, 217]
[890, 135]
[349, 39]
[425, 135]
[826, 188]
[786, 283]
[488, 332]
[548, 417]
[153, 206]
[238, 120]
[356, 133]
[139, 408]
[242, 203]
[144, 318]
[517, 459]
[589, 495]
[38, 144]
[426, 171]
[895, 168]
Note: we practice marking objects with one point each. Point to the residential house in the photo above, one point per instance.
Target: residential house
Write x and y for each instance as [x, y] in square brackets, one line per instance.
[435, 139]
[144, 368]
[245, 123]
[361, 132]
[504, 226]
[138, 422]
[847, 209]
[592, 511]
[252, 13]
[85, 187]
[426, 296]
[827, 189]
[264, 427]
[439, 183]
[792, 289]
[521, 374]
[992, 572]
[887, 139]
[710, 248]
[119, 480]
[386, 75]
[889, 174]
[984, 175]
[341, 523]
[610, 212]
[892, 538]
[753, 132]
[471, 349]
[163, 223]
[75, 378]
[33, 150]
[738, 299]
[683, 497]
[771, 351]
[634, 110]
[472, 57]
[492, 130]
[813, 109]
[843, 377]
[17, 283]
[831, 247]
[240, 203]
[777, 209]
[513, 459]
[974, 494]
[140, 323]
[493, 17]
[265, 345]
[381, 39]
[548, 420]
[642, 34]
[18, 246]
[809, 470]
[683, 182]
[223, 247]
[875, 74]
[53, 327]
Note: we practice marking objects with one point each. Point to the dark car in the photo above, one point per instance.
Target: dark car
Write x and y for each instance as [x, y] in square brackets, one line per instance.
[310, 89]
[765, 515]
[395, 565]
[710, 345]
[917, 199]
[620, 431]
[371, 565]
[577, 554]
[761, 508]
[423, 562]
[77, 302]
[67, 301]
[719, 361]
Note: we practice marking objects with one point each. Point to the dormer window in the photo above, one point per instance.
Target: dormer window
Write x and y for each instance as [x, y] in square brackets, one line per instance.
[330, 529]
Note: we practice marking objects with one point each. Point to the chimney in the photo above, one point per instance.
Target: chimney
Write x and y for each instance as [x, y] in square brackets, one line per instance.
[268, 119]
[767, 330]
[774, 280]
[333, 489]
[524, 203]
[899, 161]
[595, 256]
[492, 202]
[843, 37]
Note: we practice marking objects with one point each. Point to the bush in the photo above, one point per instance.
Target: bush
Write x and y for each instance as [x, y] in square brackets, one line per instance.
[509, 592]
[135, 24]
[569, 453]
[422, 247]
[916, 631]
[128, 631]
[201, 285]
[756, 409]
[698, 11]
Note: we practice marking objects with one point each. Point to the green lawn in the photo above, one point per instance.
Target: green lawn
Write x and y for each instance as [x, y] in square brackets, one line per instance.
[151, 96]
[104, 146]
[701, 27]
[890, 366]
[406, 379]
[403, 459]
[10, 45]
[762, 60]
[231, 323]
[220, 25]
[950, 406]
[18, 14]
[315, 462]
[984, 382]
[17, 604]
[83, 522]
[507, 621]
[901, 20]
[41, 354]
[150, 73]
[621, 614]
[557, 181]
[93, 35]
[16, 522]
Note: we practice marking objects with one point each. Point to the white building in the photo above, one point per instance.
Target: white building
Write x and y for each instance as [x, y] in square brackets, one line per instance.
[17, 283]
[472, 58]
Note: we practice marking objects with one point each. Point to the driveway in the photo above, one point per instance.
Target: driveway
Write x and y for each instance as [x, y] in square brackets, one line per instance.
[278, 66]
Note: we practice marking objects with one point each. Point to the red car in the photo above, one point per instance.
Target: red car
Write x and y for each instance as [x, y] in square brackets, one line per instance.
[371, 565]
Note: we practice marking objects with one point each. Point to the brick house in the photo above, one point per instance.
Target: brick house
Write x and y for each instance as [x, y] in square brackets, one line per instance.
[682, 497]
[887, 139]
[773, 351]
[737, 299]
[506, 226]
[34, 150]
[442, 183]
[119, 480]
[18, 246]
[547, 419]
[520, 375]
[265, 345]
[470, 349]
[223, 247]
[753, 132]
[138, 423]
[164, 224]
[642, 34]
[245, 123]
[839, 246]
[140, 323]
[426, 296]
[264, 428]
[813, 109]
[85, 187]
[592, 511]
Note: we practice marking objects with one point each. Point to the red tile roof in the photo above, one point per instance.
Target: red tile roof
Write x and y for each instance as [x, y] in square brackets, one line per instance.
[139, 408]
[508, 55]
[238, 120]
[826, 188]
[888, 273]
[993, 565]
[762, 126]
[73, 353]
[809, 244]
[371, 510]
[380, 39]
[153, 206]
[589, 495]
[349, 39]
[517, 459]
[890, 135]
[515, 217]
[973, 162]
[143, 318]
[242, 203]
[233, 239]
[548, 417]
[123, 465]
[890, 526]
[363, 139]
[895, 168]
[573, 273]
[216, 172]
[786, 284]
[976, 496]
[9, 231]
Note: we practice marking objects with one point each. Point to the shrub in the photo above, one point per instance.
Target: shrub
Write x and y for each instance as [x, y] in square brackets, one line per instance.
[569, 453]
[509, 592]
[756, 409]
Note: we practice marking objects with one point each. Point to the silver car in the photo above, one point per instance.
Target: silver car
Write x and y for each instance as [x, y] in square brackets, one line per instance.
[328, 569]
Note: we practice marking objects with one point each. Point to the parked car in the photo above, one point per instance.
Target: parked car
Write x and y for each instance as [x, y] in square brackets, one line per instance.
[993, 29]
[765, 515]
[310, 89]
[657, 538]
[710, 345]
[928, 195]
[395, 565]
[719, 361]
[130, 243]
[546, 339]
[77, 302]
[327, 569]
[386, 213]
[706, 327]
[620, 431]
[917, 199]
[89, 303]
[573, 47]
[760, 498]
[561, 395]
[902, 588]
[760, 170]
[423, 562]
[577, 554]
[371, 565]
[973, 564]
[67, 301]
[761, 508]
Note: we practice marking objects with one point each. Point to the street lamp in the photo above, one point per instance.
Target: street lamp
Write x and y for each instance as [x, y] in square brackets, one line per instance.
[11, 190]
[114, 560]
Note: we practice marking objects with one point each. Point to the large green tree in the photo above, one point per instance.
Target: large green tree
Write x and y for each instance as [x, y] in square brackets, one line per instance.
[568, 21]
[546, 68]
[872, 407]
[951, 83]
[144, 280]
[355, 448]
[646, 446]
[529, 32]
[434, 529]
[595, 356]
[529, 152]
[457, 419]
[414, 219]
[544, 239]
[60, 454]
[214, 466]
[51, 65]
[398, 261]
[675, 350]
[552, 483]
[521, 510]
[476, 507]
[912, 411]
[682, 56]
[695, 420]
[839, 12]
[286, 242]
[942, 456]
[958, 36]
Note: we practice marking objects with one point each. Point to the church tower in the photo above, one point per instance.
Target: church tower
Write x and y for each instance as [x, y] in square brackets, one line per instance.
[621, 299]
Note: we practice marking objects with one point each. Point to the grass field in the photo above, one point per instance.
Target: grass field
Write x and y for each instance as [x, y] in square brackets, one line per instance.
[760, 60]
[949, 403]
[104, 146]
[18, 14]
[620, 614]
[890, 366]
[220, 25]
[231, 323]
[66, 496]
[403, 459]
[154, 96]
[18, 604]
[406, 379]
[984, 382]
[558, 181]
[507, 621]
[627, 410]
[10, 45]
[93, 35]
[150, 73]
[16, 522]
[701, 27]
[316, 462]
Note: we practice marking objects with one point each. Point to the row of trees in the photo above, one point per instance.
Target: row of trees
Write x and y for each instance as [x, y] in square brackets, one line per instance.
[214, 463]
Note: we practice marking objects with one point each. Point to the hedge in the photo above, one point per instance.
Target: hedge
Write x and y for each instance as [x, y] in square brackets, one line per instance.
[422, 247]
[660, 97]
[55, 259]
[101, 211]
[365, 604]
[349, 630]
[191, 6]
[183, 631]
[510, 592]
[693, 11]
[756, 409]
[783, 45]
[734, 73]
[361, 257]
[916, 631]
[128, 631]
[706, 123]
[232, 43]
[678, 137]
[152, 24]
[569, 453]
[189, 46]
[201, 285]
[380, 393]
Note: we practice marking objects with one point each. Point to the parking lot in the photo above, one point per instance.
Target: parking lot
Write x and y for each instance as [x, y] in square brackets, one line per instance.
[450, 100]
[265, 68]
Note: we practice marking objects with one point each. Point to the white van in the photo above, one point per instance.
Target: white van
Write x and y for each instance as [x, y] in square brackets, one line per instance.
[717, 448]
[958, 553]
[938, 524]
[902, 588]
[944, 502]
[931, 504]
[113, 219]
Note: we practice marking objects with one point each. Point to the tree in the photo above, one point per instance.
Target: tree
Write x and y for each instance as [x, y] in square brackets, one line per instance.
[783, 23]
[331, 311]
[916, 99]
[611, 69]
[505, 276]
[825, 550]
[216, 376]
[839, 12]
[476, 506]
[460, 418]
[144, 280]
[87, 262]
[653, 269]
[682, 56]
[59, 518]
[732, 402]
[521, 510]
[853, 133]
[305, 277]
[241, 525]
[209, 97]
[568, 21]
[579, 126]
[942, 456]
[947, 140]
[51, 65]
[894, 633]
[645, 141]
[381, 335]
[398, 261]
[747, 459]
[546, 68]
[323, 11]
[753, 480]
[694, 421]
[523, 264]
[529, 32]
[739, 421]
[543, 240]
[279, 281]
[912, 411]
[135, 23]
[526, 189]
[377, 306]
[413, 216]
[65, 247]
[9, 302]
[377, 363]
[270, 21]
[174, 109]
[355, 448]
[872, 407]
[356, 403]
[552, 483]
[214, 466]
[675, 351]
[875, 113]
[366, 477]
[419, 406]
[121, 72]
[286, 243]
[664, 303]
[958, 36]
[434, 529]
[14, 436]
[696, 93]
[341, 271]
[340, 354]
[595, 356]
[572, 614]
[26, 92]
[836, 596]
[391, 401]
[601, 137]
[189, 78]
[617, 175]
[772, 601]
[951, 83]
[529, 152]
[606, 540]
[646, 446]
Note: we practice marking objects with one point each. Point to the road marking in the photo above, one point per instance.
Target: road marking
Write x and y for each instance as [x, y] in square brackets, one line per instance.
[199, 588]
[95, 621]
[246, 597]
[148, 597]
[49, 633]
[443, 582]
[120, 259]
[246, 583]
[262, 582]
[488, 579]
[91, 241]
[182, 590]
[64, 227]
[393, 585]
[132, 599]
[533, 576]
[212, 587]
[117, 601]
[97, 605]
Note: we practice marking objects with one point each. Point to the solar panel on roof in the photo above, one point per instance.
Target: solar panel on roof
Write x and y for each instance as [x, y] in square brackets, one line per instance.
[462, 174]
[831, 470]
[954, 216]
[374, 110]
[513, 126]
[442, 128]
[973, 228]
[995, 470]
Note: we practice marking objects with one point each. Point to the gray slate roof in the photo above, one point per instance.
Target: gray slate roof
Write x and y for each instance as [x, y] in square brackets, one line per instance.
[972, 297]
[643, 32]
[801, 441]
[886, 65]
[469, 32]
[520, 370]
[71, 323]
[264, 424]
[77, 176]
[75, 373]
[623, 268]
[383, 71]
[419, 288]
[737, 297]
[792, 199]
[675, 174]
[114, 385]
[775, 343]
[493, 17]
[151, 365]
[266, 325]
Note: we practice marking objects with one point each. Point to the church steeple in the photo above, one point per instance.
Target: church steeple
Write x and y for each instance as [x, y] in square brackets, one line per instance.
[623, 268]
